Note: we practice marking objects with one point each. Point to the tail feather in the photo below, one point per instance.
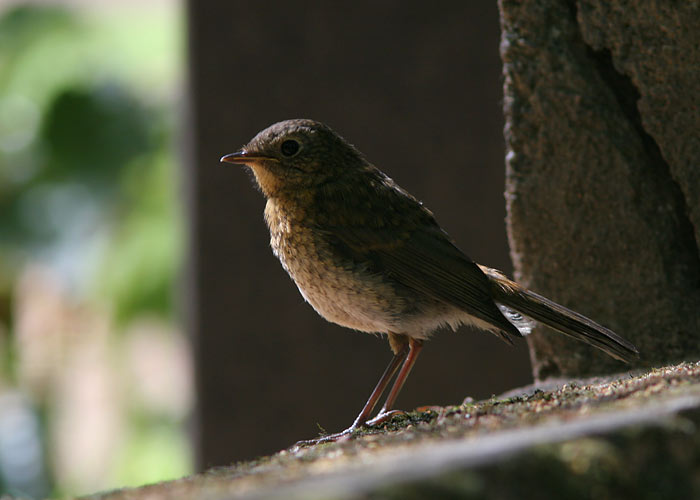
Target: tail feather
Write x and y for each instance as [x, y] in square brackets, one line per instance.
[513, 296]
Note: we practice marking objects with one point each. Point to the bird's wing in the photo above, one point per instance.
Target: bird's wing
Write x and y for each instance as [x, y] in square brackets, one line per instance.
[411, 248]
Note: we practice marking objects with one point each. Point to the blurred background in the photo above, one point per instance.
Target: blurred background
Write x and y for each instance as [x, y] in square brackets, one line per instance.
[146, 330]
[95, 372]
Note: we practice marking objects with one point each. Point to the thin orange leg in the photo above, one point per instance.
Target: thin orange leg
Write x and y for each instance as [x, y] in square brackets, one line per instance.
[402, 355]
[415, 347]
[389, 373]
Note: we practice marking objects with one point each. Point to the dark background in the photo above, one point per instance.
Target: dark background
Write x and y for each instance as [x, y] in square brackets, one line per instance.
[419, 92]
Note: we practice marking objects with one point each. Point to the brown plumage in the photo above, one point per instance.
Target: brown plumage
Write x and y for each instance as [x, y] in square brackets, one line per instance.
[369, 256]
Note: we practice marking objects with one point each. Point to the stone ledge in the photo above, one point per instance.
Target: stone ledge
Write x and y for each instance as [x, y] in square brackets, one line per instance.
[631, 435]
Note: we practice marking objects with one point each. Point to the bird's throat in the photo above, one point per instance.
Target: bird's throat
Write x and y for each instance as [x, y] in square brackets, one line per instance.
[269, 183]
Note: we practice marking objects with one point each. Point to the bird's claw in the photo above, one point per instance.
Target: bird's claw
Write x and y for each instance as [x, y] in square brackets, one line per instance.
[350, 432]
[329, 438]
[383, 417]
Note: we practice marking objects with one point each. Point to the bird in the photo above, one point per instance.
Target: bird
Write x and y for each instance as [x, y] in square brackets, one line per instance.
[369, 256]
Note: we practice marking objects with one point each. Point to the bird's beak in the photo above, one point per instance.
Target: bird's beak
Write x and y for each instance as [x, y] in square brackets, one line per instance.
[244, 157]
[241, 157]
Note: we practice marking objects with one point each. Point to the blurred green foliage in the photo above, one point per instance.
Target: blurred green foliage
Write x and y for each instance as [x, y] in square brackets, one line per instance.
[87, 174]
[88, 179]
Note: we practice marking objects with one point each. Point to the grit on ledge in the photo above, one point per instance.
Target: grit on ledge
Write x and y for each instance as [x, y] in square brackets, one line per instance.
[632, 435]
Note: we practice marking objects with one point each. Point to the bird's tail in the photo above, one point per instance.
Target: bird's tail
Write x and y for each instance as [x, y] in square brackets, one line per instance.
[513, 296]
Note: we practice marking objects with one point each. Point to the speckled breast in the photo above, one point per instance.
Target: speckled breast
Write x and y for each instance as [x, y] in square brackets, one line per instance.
[337, 289]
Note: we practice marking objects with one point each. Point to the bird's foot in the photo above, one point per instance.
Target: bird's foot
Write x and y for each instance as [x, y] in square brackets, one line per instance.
[329, 438]
[383, 417]
[350, 432]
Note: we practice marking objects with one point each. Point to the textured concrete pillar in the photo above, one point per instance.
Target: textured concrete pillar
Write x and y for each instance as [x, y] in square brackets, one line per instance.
[603, 171]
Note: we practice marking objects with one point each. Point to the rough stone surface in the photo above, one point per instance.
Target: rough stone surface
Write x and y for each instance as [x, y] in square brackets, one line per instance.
[628, 436]
[603, 171]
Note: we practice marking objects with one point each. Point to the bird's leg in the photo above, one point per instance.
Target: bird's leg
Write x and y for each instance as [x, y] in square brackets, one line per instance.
[390, 371]
[401, 355]
[385, 413]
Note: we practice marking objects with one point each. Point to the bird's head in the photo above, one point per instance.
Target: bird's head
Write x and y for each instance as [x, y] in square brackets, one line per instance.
[295, 155]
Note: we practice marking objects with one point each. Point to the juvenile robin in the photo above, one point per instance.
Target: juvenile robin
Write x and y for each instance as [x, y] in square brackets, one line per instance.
[369, 256]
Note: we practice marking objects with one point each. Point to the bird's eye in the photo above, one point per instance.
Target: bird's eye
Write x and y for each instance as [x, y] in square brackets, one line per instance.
[289, 147]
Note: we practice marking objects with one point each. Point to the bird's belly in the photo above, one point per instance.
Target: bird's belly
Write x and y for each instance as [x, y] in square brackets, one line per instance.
[355, 298]
[349, 296]
[348, 293]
